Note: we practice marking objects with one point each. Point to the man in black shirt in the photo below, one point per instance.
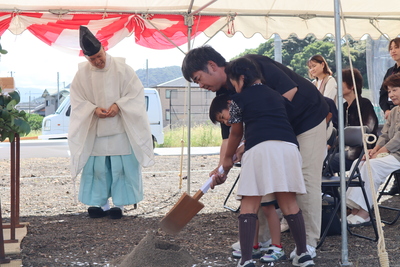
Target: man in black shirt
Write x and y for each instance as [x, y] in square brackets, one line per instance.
[206, 67]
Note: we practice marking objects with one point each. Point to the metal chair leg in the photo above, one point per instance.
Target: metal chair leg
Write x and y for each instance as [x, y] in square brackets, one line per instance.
[373, 221]
[395, 175]
[229, 194]
[334, 213]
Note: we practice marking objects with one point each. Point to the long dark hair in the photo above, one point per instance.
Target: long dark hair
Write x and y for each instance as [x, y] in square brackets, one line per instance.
[319, 59]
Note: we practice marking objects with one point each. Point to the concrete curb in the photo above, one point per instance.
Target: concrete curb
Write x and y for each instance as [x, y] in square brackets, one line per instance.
[24, 138]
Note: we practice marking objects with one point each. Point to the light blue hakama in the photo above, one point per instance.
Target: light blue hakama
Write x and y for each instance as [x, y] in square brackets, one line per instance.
[118, 177]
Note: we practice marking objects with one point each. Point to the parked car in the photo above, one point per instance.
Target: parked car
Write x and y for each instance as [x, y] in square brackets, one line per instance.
[55, 126]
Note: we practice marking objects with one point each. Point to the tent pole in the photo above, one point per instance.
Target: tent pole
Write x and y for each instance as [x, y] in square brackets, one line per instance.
[189, 101]
[189, 22]
[278, 48]
[338, 55]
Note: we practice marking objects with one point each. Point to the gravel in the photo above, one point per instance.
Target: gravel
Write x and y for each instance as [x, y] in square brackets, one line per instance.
[61, 234]
[47, 188]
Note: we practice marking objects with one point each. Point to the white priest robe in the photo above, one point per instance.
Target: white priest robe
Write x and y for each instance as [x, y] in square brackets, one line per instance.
[91, 136]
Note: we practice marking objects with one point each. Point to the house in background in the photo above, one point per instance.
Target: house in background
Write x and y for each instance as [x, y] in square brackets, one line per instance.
[50, 96]
[40, 109]
[33, 104]
[174, 102]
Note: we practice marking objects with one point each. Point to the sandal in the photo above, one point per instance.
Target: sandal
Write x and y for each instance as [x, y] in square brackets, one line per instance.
[355, 220]
[115, 213]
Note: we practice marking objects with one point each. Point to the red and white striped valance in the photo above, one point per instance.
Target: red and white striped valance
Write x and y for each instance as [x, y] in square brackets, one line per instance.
[62, 31]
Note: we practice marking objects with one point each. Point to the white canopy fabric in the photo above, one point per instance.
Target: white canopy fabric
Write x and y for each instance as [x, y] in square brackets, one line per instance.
[252, 16]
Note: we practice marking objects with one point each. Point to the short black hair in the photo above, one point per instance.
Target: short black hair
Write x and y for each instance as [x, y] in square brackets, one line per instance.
[243, 66]
[197, 59]
[218, 104]
[348, 79]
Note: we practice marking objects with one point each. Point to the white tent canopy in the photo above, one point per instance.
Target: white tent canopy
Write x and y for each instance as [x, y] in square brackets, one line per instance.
[252, 16]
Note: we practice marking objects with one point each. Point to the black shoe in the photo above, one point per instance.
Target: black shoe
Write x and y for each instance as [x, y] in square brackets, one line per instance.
[115, 213]
[97, 212]
[393, 191]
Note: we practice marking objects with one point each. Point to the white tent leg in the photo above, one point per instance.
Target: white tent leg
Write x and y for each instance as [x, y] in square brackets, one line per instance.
[345, 251]
[189, 24]
[278, 48]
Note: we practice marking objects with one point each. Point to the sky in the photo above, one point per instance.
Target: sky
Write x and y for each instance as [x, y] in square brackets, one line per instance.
[34, 65]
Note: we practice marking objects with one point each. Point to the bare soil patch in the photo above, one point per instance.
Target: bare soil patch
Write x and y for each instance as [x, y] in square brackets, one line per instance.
[60, 233]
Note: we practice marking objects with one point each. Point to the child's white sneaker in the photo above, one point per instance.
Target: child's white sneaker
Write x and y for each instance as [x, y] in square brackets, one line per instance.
[303, 260]
[273, 254]
[248, 263]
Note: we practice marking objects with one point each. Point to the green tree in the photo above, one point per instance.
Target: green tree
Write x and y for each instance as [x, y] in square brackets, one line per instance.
[296, 52]
[265, 49]
[290, 47]
[294, 45]
[35, 121]
[358, 52]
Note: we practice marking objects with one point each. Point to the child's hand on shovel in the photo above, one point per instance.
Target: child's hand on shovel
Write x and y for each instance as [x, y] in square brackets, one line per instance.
[218, 178]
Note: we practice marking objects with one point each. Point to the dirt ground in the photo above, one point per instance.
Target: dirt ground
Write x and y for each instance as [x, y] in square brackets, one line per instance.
[60, 233]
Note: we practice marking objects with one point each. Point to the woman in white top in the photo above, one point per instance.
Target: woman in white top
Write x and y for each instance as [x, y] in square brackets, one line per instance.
[322, 75]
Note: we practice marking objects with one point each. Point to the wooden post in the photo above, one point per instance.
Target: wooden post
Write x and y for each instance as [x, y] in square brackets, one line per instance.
[14, 187]
[3, 258]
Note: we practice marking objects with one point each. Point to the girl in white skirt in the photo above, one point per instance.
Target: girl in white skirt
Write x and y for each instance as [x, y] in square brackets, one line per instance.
[271, 163]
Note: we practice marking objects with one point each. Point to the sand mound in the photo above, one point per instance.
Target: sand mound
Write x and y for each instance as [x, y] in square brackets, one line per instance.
[151, 252]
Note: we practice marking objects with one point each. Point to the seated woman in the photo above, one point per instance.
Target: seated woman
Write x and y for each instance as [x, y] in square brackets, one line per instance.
[350, 113]
[385, 158]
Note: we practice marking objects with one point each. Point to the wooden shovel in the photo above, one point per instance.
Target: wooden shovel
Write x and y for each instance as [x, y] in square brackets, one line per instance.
[185, 209]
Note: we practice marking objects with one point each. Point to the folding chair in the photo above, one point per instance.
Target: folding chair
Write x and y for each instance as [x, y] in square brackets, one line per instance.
[393, 175]
[331, 183]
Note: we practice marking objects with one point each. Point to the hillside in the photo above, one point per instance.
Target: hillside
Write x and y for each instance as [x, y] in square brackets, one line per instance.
[158, 75]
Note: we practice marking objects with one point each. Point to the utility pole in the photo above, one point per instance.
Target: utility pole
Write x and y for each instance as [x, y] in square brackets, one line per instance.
[147, 73]
[58, 90]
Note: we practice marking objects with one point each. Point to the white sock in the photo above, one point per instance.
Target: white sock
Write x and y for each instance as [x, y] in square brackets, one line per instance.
[106, 206]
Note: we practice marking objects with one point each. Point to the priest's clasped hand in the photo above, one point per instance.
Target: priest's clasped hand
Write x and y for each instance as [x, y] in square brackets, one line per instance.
[104, 113]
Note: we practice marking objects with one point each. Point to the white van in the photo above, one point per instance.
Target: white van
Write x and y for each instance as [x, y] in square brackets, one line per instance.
[55, 126]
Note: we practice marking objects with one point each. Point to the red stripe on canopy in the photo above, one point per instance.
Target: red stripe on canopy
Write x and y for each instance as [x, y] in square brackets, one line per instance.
[63, 31]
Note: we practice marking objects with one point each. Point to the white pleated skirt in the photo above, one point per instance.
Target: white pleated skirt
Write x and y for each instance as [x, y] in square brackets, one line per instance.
[269, 167]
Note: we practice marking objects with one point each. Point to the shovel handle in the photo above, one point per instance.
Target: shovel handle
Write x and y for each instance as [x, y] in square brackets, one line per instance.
[204, 188]
[207, 184]
[198, 195]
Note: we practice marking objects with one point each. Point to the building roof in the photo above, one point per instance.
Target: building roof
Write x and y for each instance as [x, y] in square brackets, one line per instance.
[177, 83]
[53, 92]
